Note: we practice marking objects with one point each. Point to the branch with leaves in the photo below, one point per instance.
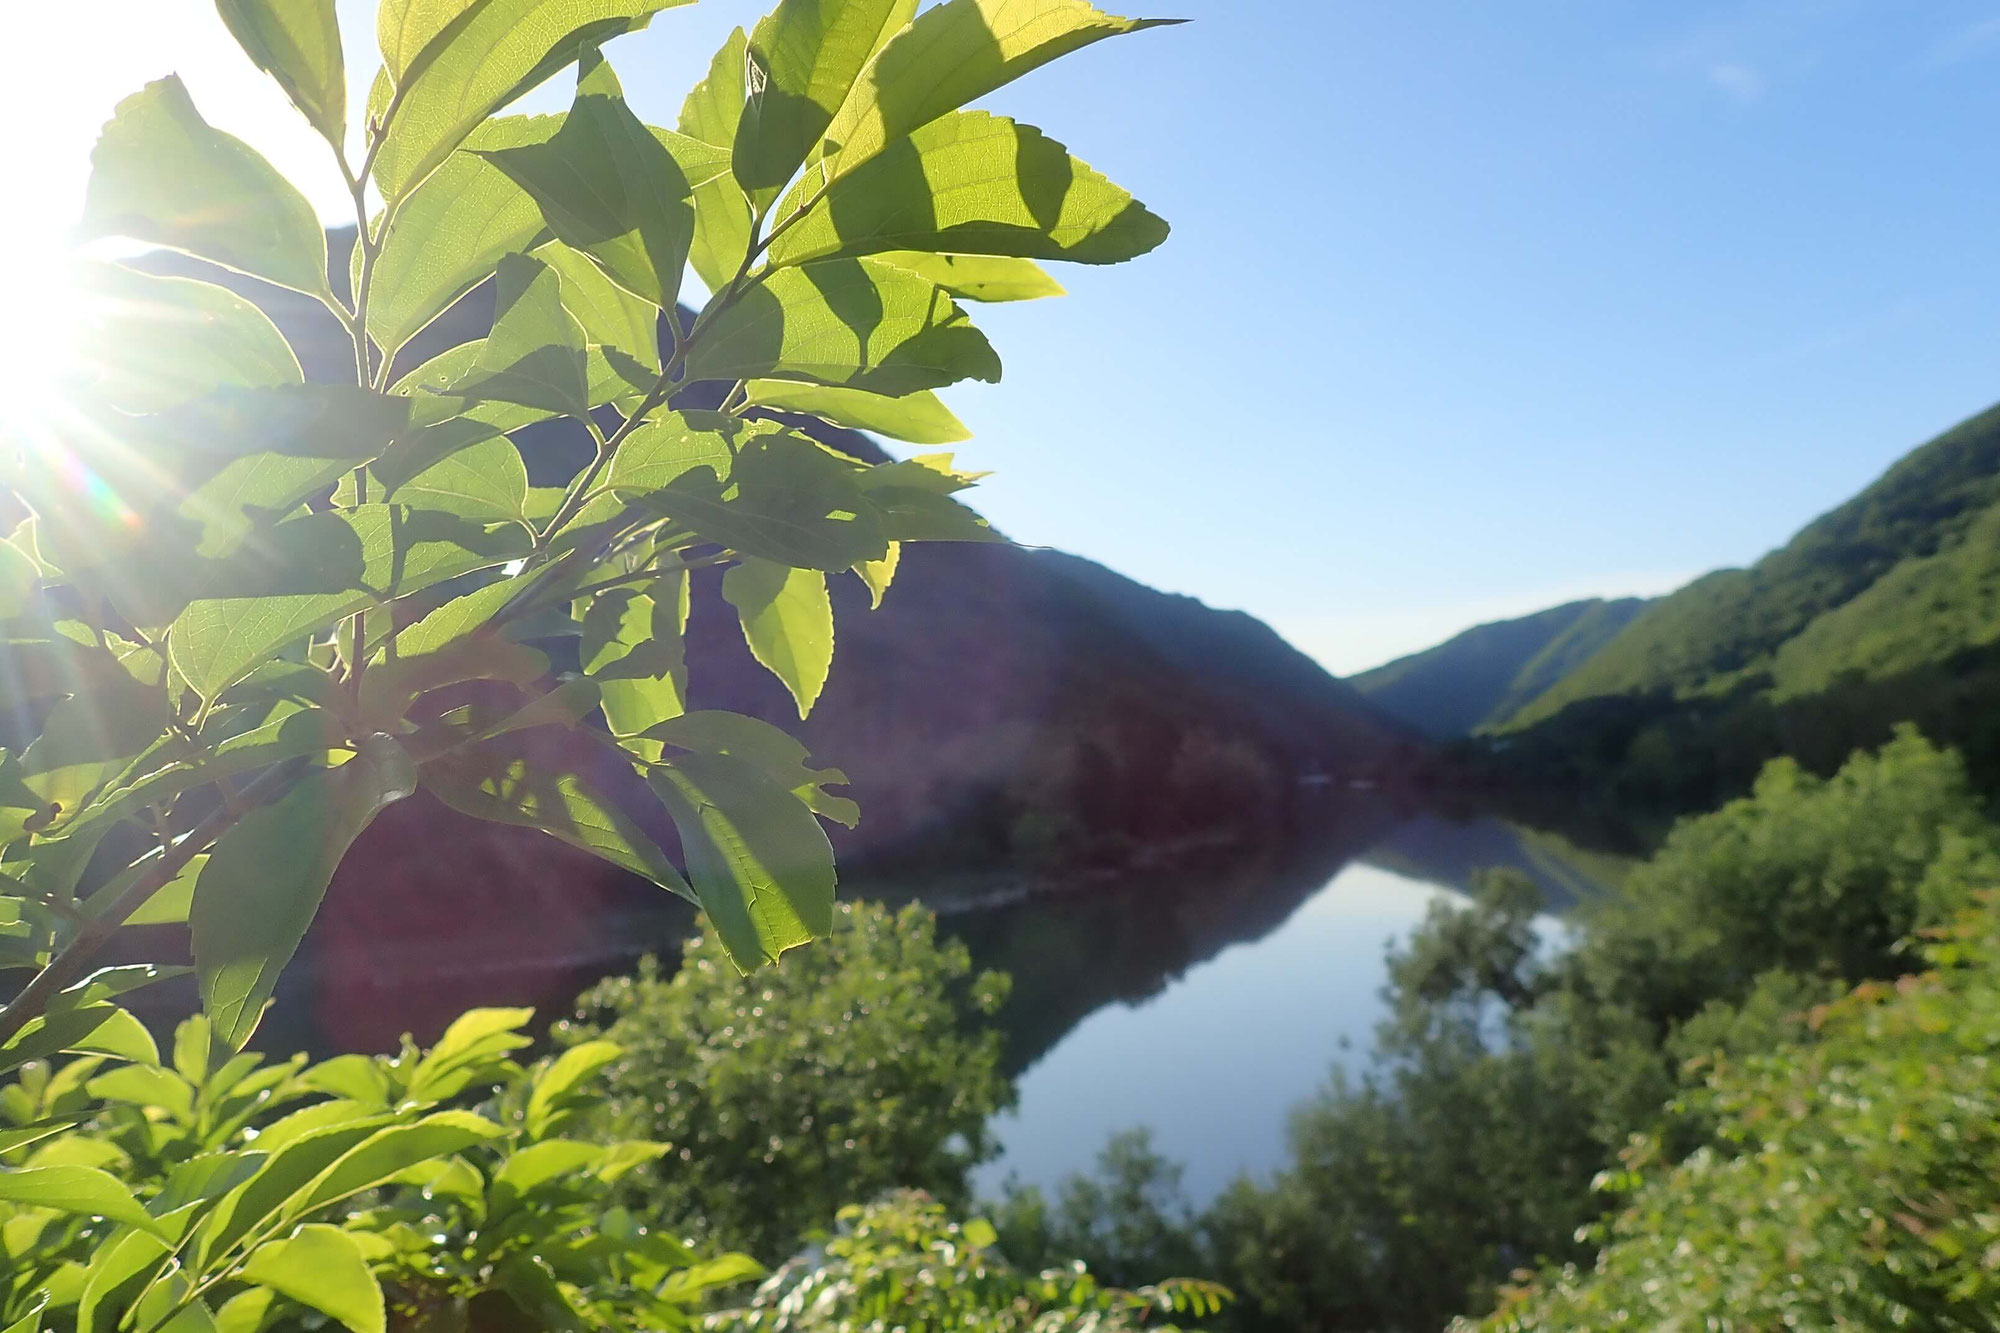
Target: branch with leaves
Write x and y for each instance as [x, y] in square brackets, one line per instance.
[232, 575]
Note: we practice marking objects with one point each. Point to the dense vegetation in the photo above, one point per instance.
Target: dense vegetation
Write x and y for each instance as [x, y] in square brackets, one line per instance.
[1885, 610]
[1485, 675]
[1511, 1072]
[864, 1065]
[1848, 1181]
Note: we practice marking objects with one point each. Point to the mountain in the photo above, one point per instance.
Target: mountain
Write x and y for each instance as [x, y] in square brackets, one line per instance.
[1884, 610]
[1492, 671]
[1013, 721]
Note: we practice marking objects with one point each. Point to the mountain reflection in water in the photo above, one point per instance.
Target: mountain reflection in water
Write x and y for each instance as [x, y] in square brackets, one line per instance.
[1208, 1015]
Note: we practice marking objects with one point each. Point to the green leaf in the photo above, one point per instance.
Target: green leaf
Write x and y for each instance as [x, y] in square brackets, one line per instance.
[805, 54]
[711, 117]
[296, 42]
[170, 906]
[487, 481]
[474, 59]
[973, 184]
[561, 1078]
[609, 189]
[920, 418]
[452, 231]
[789, 499]
[856, 322]
[81, 1190]
[404, 28]
[614, 322]
[330, 565]
[389, 1152]
[534, 355]
[787, 621]
[631, 648]
[988, 278]
[162, 174]
[673, 443]
[509, 781]
[879, 574]
[156, 342]
[321, 1267]
[759, 860]
[117, 1271]
[775, 753]
[955, 53]
[540, 1163]
[245, 1312]
[302, 1145]
[265, 878]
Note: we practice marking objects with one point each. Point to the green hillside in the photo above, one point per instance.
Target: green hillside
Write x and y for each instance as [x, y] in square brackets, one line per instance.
[1491, 671]
[1898, 578]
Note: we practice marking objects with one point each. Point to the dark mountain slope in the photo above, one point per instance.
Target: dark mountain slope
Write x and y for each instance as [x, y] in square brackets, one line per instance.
[1477, 678]
[1011, 719]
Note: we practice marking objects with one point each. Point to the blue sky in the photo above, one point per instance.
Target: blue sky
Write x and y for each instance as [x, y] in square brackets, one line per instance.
[1469, 307]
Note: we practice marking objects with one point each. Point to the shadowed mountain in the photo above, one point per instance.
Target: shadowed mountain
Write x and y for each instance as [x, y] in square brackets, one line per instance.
[1490, 672]
[1014, 722]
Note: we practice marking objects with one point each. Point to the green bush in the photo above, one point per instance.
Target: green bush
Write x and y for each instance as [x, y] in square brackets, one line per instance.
[903, 1264]
[437, 1190]
[861, 1065]
[1854, 1181]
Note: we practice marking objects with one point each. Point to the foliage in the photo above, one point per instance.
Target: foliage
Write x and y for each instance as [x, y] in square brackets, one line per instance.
[1509, 1072]
[431, 1189]
[247, 613]
[858, 1066]
[1129, 1221]
[1852, 1183]
[1735, 625]
[902, 1263]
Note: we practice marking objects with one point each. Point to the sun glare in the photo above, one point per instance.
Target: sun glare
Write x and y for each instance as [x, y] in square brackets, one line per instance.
[39, 324]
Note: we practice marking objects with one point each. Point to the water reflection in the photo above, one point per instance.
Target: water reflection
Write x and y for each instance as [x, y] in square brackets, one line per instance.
[1218, 1049]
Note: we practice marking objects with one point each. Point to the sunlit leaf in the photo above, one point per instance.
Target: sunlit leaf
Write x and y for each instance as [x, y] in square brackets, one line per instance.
[296, 42]
[631, 647]
[777, 754]
[156, 342]
[162, 174]
[920, 418]
[331, 565]
[973, 184]
[759, 860]
[989, 278]
[861, 323]
[609, 189]
[534, 355]
[787, 621]
[453, 230]
[476, 60]
[806, 54]
[711, 116]
[953, 54]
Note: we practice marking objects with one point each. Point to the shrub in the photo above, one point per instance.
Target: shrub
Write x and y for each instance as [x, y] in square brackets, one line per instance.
[859, 1066]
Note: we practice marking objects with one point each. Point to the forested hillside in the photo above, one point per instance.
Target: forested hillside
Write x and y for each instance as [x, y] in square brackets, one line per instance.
[1901, 576]
[1885, 610]
[1491, 671]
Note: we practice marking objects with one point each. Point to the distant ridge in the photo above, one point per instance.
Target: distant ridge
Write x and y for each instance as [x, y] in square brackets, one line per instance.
[1486, 674]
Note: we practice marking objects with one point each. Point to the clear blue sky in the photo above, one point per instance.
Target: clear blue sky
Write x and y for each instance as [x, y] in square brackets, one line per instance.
[1469, 307]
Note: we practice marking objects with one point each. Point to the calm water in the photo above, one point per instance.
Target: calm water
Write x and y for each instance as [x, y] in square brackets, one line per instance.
[1215, 1057]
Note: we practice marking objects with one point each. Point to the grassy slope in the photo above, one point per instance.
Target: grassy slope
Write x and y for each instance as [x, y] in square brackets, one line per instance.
[1903, 574]
[1489, 671]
